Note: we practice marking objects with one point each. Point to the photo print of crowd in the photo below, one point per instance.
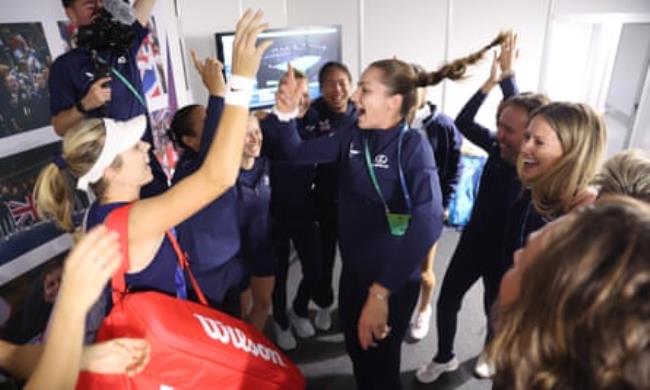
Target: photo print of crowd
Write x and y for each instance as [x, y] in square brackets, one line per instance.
[24, 64]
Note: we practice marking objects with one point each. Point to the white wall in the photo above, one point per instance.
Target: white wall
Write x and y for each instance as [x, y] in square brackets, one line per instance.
[403, 31]
[474, 24]
[200, 19]
[629, 68]
[640, 137]
[601, 6]
[319, 12]
[411, 29]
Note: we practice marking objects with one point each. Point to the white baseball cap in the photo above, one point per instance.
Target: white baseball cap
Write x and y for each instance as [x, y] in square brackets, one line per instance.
[120, 136]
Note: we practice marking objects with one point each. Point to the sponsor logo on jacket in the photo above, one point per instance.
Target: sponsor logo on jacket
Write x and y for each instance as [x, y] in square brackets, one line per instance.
[381, 161]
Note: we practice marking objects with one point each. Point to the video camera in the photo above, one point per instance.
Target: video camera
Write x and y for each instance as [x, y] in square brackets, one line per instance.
[104, 33]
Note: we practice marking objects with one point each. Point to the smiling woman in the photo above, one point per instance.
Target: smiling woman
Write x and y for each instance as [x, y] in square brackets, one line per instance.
[107, 157]
[563, 150]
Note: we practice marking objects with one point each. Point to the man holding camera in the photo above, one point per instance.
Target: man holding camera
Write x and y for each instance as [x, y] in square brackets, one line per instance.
[100, 77]
[81, 83]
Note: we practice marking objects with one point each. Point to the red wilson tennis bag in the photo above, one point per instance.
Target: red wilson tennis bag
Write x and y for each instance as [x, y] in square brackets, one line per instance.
[192, 345]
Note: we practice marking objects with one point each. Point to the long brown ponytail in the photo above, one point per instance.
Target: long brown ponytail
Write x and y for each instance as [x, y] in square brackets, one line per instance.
[403, 79]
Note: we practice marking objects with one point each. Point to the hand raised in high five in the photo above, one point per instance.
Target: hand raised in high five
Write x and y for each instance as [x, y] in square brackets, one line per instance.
[494, 76]
[211, 71]
[246, 55]
[289, 93]
[509, 55]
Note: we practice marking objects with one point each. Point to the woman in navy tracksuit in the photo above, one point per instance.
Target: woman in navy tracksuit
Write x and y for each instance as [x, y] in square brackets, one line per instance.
[479, 250]
[331, 111]
[293, 219]
[212, 236]
[446, 141]
[385, 170]
[254, 191]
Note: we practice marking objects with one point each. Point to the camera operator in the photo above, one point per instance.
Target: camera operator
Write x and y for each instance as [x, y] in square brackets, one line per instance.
[100, 77]
[79, 88]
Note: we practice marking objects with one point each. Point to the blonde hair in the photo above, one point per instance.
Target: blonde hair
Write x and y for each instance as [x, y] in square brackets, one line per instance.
[582, 134]
[627, 173]
[55, 187]
[582, 320]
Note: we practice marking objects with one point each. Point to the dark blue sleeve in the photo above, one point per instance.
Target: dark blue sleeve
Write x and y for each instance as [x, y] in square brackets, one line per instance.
[61, 85]
[425, 226]
[256, 241]
[141, 33]
[454, 165]
[213, 114]
[509, 87]
[286, 144]
[475, 132]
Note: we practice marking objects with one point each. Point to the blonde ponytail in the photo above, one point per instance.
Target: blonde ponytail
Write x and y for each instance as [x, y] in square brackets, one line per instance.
[54, 191]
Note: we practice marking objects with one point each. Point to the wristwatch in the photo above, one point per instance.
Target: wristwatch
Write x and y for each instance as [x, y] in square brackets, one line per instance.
[81, 108]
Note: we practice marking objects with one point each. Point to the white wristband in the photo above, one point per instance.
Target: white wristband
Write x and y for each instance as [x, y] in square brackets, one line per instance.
[240, 90]
[285, 116]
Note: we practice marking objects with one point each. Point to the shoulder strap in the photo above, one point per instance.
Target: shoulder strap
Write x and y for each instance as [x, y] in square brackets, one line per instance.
[185, 265]
[118, 221]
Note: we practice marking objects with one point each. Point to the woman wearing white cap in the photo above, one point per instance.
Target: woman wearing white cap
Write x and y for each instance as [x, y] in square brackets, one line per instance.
[108, 157]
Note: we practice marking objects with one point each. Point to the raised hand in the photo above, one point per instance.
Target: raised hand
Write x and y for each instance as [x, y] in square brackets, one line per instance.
[289, 93]
[246, 56]
[211, 71]
[89, 266]
[494, 76]
[509, 55]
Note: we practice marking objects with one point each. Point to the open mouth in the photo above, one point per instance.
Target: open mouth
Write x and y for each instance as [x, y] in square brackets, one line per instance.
[530, 162]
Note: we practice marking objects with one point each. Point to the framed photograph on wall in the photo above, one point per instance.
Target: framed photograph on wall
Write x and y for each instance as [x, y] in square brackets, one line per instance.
[24, 63]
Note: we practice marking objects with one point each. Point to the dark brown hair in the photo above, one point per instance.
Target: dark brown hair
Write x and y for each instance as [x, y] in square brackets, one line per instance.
[527, 101]
[181, 125]
[330, 67]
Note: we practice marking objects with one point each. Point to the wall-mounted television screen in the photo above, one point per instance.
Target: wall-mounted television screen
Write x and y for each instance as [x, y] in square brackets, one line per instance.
[307, 48]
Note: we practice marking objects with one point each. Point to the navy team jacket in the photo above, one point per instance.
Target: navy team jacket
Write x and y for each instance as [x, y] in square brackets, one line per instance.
[255, 198]
[499, 186]
[367, 247]
[292, 184]
[320, 121]
[446, 142]
[211, 237]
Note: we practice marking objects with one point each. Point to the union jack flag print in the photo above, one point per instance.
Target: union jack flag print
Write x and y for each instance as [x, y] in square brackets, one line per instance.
[23, 212]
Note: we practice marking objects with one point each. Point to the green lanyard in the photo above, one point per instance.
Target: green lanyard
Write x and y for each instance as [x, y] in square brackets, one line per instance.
[397, 223]
[124, 81]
